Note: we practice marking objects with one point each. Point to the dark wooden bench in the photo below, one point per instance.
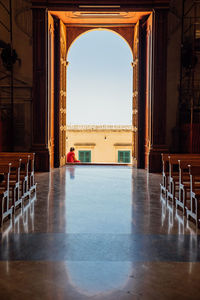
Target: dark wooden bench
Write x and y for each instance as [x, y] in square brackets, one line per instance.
[20, 180]
[184, 182]
[32, 183]
[14, 180]
[165, 175]
[27, 170]
[175, 175]
[6, 208]
[170, 174]
[193, 211]
[23, 180]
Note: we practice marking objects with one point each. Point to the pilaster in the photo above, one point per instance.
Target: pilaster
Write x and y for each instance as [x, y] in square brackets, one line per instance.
[40, 96]
[158, 117]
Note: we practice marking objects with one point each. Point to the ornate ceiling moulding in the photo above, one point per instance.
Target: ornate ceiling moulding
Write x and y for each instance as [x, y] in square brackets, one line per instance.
[99, 6]
[100, 15]
[99, 19]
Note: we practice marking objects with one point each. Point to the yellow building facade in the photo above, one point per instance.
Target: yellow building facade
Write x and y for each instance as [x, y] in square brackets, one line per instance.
[101, 144]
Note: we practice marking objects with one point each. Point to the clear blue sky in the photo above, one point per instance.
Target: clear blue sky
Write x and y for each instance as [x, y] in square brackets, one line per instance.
[99, 80]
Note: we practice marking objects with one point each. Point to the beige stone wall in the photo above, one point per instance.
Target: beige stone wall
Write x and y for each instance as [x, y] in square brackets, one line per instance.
[103, 142]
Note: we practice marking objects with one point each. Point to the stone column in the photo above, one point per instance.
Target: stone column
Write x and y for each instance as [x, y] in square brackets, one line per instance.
[40, 94]
[158, 112]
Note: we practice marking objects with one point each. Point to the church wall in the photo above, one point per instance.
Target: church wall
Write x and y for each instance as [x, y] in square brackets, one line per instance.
[22, 43]
[183, 108]
[173, 73]
[22, 82]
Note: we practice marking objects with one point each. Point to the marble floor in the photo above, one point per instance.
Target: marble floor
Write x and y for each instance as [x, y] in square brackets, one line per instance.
[99, 232]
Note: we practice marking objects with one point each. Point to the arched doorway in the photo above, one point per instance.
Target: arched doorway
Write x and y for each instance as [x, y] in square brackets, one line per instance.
[132, 35]
[146, 33]
[99, 95]
[99, 79]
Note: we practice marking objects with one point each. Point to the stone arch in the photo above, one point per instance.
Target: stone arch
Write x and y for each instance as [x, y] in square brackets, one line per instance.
[125, 54]
[126, 33]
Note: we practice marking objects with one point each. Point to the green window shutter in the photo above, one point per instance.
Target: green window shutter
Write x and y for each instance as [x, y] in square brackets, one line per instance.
[127, 156]
[124, 156]
[87, 156]
[81, 156]
[84, 156]
[120, 156]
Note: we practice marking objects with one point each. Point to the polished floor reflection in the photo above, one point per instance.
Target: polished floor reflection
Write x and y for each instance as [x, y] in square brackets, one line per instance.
[99, 232]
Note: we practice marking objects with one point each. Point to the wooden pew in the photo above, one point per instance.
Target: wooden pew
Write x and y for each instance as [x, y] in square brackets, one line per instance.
[6, 208]
[173, 177]
[193, 212]
[30, 171]
[184, 181]
[20, 178]
[29, 185]
[13, 158]
[165, 174]
[14, 181]
[32, 184]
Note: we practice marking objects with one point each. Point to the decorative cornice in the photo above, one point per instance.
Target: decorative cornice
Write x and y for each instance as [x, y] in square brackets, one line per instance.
[123, 144]
[100, 127]
[85, 144]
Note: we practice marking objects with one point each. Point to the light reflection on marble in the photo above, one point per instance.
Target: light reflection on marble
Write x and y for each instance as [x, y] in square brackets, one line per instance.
[100, 199]
[92, 278]
[22, 220]
[97, 203]
[79, 208]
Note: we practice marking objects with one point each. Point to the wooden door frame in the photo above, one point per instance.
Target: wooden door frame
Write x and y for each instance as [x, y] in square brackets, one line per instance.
[40, 76]
[57, 93]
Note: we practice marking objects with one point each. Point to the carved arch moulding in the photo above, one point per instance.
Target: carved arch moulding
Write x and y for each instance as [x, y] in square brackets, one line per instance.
[74, 33]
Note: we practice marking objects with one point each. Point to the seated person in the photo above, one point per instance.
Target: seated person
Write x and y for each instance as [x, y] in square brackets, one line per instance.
[71, 156]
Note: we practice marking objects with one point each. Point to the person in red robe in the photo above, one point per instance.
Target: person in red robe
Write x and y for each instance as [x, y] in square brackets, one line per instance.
[71, 156]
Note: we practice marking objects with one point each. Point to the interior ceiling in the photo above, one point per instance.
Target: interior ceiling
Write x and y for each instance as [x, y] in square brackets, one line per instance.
[99, 17]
